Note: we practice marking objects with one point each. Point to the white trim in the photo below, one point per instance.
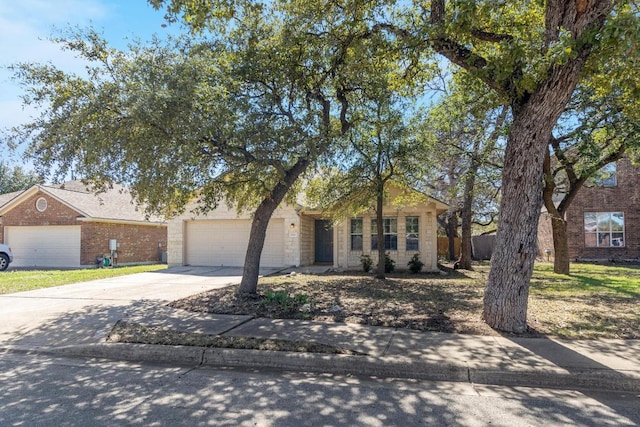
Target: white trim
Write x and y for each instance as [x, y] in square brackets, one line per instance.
[39, 204]
[30, 192]
[121, 221]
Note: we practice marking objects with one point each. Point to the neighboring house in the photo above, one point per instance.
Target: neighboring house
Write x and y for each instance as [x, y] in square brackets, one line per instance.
[68, 226]
[298, 236]
[603, 221]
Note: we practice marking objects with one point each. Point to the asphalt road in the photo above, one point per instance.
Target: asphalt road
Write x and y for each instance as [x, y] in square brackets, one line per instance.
[46, 391]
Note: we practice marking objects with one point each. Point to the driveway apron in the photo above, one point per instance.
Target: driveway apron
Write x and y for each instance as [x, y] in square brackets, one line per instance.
[84, 313]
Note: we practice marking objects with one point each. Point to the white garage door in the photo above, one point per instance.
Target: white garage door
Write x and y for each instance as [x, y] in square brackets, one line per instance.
[44, 246]
[224, 242]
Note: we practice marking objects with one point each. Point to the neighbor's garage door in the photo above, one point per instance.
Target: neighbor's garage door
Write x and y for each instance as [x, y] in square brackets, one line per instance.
[44, 246]
[224, 242]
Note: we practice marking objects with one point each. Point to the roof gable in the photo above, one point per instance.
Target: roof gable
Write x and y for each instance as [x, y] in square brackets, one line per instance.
[7, 197]
[115, 204]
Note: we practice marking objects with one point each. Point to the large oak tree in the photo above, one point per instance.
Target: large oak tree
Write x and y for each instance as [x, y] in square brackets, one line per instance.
[532, 54]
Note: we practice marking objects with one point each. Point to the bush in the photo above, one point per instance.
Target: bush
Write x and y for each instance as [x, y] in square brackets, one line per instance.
[415, 265]
[283, 299]
[389, 264]
[366, 262]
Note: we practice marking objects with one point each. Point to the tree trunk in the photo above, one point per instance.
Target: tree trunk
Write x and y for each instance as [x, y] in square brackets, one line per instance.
[558, 223]
[251, 271]
[465, 245]
[452, 233]
[507, 292]
[560, 246]
[261, 217]
[380, 273]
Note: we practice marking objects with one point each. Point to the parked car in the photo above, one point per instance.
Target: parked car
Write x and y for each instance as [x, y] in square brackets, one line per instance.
[6, 257]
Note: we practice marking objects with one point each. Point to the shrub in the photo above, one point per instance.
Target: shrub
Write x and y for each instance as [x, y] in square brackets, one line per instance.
[286, 301]
[415, 265]
[389, 264]
[366, 262]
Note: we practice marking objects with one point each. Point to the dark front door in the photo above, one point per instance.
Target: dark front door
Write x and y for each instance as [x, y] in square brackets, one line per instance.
[324, 241]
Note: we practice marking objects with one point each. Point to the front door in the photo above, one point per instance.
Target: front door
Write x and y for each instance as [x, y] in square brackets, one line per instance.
[324, 241]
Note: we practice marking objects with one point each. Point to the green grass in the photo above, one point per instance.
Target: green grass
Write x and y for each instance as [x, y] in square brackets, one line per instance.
[621, 281]
[19, 280]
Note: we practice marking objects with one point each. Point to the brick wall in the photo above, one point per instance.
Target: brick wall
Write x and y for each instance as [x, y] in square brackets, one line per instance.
[624, 197]
[26, 213]
[136, 243]
[545, 235]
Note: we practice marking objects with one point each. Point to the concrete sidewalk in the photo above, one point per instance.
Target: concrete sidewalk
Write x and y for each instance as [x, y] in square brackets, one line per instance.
[386, 352]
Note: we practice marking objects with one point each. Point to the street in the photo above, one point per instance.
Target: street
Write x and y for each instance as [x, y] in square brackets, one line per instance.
[37, 390]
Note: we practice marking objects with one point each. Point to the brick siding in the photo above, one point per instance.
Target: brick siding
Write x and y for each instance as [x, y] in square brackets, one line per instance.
[137, 243]
[624, 197]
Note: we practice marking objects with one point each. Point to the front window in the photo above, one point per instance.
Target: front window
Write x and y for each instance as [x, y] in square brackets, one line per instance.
[604, 229]
[413, 236]
[390, 230]
[356, 234]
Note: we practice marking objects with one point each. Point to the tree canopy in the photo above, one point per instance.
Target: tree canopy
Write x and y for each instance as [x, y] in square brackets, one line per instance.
[16, 178]
[235, 116]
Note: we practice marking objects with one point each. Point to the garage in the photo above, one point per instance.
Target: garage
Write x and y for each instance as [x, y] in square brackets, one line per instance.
[44, 246]
[225, 241]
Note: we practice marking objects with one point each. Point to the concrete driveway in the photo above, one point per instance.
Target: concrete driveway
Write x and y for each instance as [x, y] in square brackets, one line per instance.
[85, 312]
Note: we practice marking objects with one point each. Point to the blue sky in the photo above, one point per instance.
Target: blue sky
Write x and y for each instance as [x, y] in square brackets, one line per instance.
[25, 26]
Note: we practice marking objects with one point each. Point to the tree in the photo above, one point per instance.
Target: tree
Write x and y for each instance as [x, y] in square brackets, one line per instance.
[379, 152]
[466, 126]
[532, 56]
[236, 116]
[603, 136]
[599, 125]
[16, 178]
[346, 54]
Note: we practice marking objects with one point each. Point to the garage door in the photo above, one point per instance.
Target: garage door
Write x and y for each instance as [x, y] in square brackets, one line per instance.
[46, 246]
[224, 242]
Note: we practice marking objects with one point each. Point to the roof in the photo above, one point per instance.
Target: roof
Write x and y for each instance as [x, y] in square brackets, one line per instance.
[7, 197]
[113, 205]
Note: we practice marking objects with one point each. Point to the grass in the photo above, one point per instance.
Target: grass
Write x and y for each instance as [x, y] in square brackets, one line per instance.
[587, 279]
[594, 301]
[25, 280]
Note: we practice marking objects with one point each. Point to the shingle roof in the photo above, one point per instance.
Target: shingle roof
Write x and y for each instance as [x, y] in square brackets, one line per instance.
[114, 204]
[7, 197]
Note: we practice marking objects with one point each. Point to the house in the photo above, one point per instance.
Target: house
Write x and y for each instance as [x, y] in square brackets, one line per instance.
[299, 236]
[69, 226]
[603, 221]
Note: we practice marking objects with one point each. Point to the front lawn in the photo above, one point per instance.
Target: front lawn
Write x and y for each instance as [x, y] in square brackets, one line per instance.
[25, 280]
[594, 302]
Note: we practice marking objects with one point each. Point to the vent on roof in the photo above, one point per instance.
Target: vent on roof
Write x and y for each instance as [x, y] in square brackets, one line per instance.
[41, 204]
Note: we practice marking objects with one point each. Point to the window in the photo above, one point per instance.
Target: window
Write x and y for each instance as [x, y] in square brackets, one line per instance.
[41, 204]
[604, 229]
[413, 235]
[356, 234]
[390, 230]
[605, 177]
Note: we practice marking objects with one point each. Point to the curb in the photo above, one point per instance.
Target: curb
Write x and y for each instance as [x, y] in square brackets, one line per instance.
[382, 367]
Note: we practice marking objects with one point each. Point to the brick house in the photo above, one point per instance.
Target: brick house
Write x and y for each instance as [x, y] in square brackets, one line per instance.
[603, 221]
[68, 226]
[299, 236]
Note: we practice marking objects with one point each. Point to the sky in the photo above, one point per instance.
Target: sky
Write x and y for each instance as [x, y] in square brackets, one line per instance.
[27, 25]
